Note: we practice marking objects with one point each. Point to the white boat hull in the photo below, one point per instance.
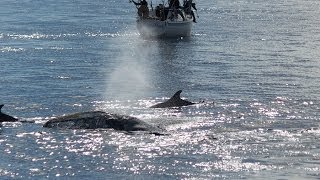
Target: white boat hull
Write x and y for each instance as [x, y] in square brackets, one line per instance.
[155, 28]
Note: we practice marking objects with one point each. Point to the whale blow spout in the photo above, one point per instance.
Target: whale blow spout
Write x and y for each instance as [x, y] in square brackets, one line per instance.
[5, 117]
[174, 101]
[101, 120]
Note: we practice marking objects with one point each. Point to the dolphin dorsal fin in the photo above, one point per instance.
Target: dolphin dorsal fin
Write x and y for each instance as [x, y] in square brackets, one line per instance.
[1, 107]
[176, 95]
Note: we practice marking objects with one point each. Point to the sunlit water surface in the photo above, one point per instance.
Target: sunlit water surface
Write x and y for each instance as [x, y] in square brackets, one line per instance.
[255, 64]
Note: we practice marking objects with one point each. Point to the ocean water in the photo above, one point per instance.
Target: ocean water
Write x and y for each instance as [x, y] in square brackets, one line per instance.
[255, 64]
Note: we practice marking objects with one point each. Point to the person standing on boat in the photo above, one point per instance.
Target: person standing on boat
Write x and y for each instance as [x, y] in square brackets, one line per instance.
[143, 10]
[188, 5]
[175, 4]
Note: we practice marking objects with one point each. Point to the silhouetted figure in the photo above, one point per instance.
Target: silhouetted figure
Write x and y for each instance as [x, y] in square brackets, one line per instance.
[175, 5]
[160, 12]
[143, 10]
[188, 5]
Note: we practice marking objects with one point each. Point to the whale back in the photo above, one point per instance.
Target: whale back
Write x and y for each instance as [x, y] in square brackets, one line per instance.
[101, 120]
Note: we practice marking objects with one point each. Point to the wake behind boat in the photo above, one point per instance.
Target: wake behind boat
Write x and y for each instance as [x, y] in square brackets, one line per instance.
[165, 20]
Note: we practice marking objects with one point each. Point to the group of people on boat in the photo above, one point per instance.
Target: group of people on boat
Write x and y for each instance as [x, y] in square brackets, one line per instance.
[162, 12]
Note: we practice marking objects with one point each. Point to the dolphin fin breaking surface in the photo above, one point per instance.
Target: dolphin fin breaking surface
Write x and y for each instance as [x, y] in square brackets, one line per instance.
[174, 101]
[5, 117]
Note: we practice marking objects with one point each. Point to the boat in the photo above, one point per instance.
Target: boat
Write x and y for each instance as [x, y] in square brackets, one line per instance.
[165, 21]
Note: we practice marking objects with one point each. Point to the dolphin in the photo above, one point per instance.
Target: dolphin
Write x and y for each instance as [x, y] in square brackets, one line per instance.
[5, 117]
[174, 101]
[103, 120]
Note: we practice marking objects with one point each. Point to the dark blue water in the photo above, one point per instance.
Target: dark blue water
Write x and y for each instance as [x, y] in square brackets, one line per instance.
[254, 63]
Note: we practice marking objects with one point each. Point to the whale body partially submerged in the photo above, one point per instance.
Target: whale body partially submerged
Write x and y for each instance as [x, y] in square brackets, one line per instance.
[102, 120]
[174, 101]
[5, 117]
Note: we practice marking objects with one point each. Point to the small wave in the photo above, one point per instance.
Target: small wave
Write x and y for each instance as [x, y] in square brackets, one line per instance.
[11, 49]
[60, 48]
[36, 120]
[39, 36]
[112, 35]
[63, 77]
[36, 36]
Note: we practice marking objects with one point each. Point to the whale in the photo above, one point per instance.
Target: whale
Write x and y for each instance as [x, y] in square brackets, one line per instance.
[6, 118]
[174, 101]
[102, 120]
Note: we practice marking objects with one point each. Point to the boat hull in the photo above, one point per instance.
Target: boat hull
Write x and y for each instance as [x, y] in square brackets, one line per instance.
[168, 28]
